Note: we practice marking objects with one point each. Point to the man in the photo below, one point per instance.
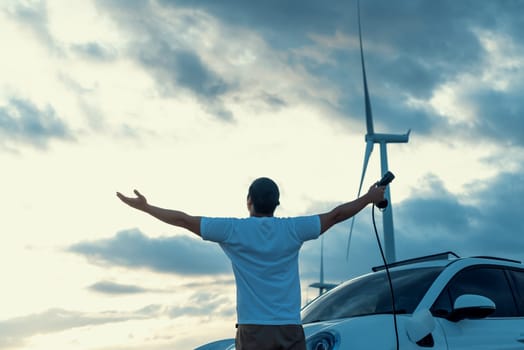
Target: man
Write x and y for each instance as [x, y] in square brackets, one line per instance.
[263, 250]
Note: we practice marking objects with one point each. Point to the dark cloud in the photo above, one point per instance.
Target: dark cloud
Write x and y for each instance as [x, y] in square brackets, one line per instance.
[446, 222]
[227, 282]
[204, 303]
[174, 64]
[33, 15]
[432, 221]
[184, 68]
[14, 332]
[391, 115]
[427, 35]
[438, 34]
[273, 101]
[108, 287]
[22, 122]
[500, 115]
[284, 24]
[437, 208]
[178, 254]
[502, 16]
[117, 289]
[499, 223]
[175, 68]
[94, 51]
[411, 49]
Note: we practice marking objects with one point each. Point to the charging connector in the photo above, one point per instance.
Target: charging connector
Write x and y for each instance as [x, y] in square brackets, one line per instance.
[386, 179]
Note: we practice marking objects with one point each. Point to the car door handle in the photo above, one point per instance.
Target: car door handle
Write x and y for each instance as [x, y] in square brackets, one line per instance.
[520, 339]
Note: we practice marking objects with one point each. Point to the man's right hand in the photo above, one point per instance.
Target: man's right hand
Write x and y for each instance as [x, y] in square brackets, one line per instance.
[139, 202]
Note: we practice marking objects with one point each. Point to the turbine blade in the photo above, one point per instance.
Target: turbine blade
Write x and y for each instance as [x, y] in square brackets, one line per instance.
[369, 115]
[369, 149]
[349, 238]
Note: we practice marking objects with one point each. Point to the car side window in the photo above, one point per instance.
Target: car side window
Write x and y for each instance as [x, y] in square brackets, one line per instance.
[442, 306]
[485, 281]
[518, 279]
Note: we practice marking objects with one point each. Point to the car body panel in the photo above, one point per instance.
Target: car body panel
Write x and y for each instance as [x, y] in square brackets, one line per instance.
[373, 332]
[490, 333]
[376, 331]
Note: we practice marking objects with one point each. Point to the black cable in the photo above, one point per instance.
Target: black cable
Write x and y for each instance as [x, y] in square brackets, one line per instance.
[388, 275]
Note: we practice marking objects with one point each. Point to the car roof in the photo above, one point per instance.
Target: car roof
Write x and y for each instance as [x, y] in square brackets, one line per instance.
[444, 259]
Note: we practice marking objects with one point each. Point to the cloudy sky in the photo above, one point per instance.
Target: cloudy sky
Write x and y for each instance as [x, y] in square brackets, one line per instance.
[191, 102]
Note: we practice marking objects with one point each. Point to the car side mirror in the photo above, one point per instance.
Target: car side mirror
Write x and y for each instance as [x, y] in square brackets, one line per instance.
[471, 306]
[419, 326]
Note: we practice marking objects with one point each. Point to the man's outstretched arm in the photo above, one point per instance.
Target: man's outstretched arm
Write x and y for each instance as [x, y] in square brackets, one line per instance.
[347, 210]
[172, 217]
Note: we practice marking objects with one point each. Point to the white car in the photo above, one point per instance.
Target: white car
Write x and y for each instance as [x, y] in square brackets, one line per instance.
[442, 302]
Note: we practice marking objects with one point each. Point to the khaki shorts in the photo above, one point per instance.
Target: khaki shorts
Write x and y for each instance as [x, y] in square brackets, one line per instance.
[263, 337]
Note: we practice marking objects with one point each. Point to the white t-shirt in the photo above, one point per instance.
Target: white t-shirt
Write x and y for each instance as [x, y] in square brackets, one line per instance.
[264, 255]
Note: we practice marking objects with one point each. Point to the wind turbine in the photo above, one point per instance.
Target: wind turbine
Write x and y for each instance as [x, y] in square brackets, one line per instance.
[382, 139]
[321, 285]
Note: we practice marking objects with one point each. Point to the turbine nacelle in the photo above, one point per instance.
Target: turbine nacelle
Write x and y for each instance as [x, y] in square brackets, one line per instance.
[388, 138]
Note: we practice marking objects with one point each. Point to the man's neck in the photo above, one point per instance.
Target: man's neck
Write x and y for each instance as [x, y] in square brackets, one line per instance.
[257, 215]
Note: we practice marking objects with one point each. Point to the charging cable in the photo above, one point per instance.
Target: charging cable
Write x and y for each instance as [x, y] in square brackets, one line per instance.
[388, 276]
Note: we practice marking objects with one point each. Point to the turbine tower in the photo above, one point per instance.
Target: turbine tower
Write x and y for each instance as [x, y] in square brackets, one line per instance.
[382, 139]
[321, 285]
